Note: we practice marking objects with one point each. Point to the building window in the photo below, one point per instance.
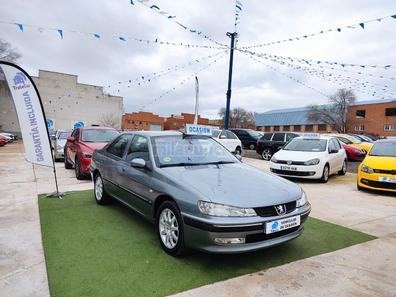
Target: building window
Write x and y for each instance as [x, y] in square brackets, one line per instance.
[267, 128]
[286, 128]
[297, 128]
[390, 112]
[360, 114]
[276, 128]
[322, 127]
[308, 128]
[359, 128]
[389, 127]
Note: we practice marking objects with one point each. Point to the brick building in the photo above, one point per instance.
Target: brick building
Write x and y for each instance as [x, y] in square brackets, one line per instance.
[376, 117]
[177, 122]
[142, 121]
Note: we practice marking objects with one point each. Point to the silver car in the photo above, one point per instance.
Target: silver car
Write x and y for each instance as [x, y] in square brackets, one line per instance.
[58, 143]
[197, 193]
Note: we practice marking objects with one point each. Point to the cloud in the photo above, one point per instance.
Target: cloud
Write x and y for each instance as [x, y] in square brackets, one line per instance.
[255, 86]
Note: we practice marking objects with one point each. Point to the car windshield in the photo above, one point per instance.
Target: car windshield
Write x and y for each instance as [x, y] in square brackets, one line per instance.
[384, 149]
[64, 135]
[216, 133]
[177, 150]
[354, 139]
[306, 145]
[98, 135]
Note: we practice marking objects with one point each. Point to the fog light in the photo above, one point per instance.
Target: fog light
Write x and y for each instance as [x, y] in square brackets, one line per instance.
[238, 240]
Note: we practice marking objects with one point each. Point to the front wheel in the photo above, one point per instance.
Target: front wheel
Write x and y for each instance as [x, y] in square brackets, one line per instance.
[101, 196]
[266, 154]
[68, 165]
[170, 229]
[77, 169]
[325, 176]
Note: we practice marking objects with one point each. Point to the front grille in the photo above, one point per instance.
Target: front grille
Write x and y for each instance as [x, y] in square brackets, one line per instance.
[263, 236]
[378, 184]
[291, 172]
[292, 163]
[269, 211]
[391, 172]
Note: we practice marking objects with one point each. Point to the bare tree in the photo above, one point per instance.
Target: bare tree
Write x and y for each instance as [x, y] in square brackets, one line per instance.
[7, 52]
[335, 113]
[110, 120]
[239, 117]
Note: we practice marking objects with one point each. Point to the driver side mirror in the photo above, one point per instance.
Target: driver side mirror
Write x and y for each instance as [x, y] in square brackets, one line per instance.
[70, 139]
[138, 163]
[333, 151]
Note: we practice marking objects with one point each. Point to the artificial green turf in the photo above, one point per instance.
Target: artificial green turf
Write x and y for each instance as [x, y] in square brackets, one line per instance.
[91, 250]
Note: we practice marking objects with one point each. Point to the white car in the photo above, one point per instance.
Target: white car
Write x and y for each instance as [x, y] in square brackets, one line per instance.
[229, 140]
[310, 157]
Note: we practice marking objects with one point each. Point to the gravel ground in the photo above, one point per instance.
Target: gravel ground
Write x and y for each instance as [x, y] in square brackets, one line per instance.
[352, 166]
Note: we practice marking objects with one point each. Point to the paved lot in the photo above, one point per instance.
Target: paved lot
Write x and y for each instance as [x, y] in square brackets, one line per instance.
[367, 269]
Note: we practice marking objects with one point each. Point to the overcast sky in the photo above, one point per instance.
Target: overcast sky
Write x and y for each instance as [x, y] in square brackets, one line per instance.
[255, 86]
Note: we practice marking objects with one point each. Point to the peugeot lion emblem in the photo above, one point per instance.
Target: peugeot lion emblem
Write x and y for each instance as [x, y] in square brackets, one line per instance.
[280, 209]
[289, 162]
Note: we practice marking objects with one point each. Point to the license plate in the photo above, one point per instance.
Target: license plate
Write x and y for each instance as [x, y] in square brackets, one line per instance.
[387, 179]
[282, 224]
[291, 168]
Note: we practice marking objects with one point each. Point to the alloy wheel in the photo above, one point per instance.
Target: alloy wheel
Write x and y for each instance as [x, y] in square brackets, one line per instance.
[168, 228]
[266, 154]
[98, 188]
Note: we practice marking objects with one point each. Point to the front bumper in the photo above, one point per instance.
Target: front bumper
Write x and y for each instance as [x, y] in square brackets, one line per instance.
[201, 234]
[311, 172]
[371, 181]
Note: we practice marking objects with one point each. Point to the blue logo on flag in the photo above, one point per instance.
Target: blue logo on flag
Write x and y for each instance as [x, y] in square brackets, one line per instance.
[20, 79]
[50, 124]
[78, 124]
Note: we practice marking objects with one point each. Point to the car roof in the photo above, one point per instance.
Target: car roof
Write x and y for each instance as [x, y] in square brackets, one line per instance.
[97, 128]
[313, 137]
[386, 140]
[155, 133]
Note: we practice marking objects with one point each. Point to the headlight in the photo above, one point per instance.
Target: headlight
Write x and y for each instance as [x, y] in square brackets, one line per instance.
[302, 201]
[87, 155]
[221, 210]
[274, 160]
[367, 169]
[312, 162]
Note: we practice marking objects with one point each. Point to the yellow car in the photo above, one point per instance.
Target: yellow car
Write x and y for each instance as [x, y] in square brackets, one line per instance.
[378, 169]
[354, 141]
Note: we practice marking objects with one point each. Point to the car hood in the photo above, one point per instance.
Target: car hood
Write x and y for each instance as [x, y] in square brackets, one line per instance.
[235, 184]
[297, 156]
[385, 163]
[91, 146]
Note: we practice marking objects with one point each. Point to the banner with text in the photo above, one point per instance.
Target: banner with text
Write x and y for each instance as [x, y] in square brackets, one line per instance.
[30, 116]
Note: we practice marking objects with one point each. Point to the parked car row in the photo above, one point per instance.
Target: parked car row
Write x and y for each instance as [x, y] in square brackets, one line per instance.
[6, 138]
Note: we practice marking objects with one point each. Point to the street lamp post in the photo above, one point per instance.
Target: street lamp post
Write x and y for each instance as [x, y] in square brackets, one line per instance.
[227, 114]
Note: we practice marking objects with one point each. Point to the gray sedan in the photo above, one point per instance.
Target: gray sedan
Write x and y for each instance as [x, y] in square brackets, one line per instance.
[197, 193]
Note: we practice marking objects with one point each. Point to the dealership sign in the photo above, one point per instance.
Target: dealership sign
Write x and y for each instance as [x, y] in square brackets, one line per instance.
[30, 115]
[192, 129]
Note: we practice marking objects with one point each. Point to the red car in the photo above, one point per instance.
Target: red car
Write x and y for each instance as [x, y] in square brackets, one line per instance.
[354, 153]
[81, 144]
[3, 140]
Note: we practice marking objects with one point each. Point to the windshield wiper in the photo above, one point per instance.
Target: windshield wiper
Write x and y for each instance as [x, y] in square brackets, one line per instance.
[219, 162]
[181, 164]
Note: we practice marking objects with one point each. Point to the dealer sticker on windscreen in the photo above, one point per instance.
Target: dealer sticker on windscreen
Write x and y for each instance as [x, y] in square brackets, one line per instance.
[282, 224]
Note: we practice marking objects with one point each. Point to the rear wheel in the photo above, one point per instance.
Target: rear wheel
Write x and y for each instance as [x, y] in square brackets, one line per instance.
[266, 154]
[68, 165]
[170, 229]
[343, 169]
[325, 175]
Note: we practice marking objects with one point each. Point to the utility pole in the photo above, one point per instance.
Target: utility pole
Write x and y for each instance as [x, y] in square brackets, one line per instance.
[227, 114]
[196, 100]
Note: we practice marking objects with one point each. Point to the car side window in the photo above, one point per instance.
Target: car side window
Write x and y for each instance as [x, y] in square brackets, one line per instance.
[331, 145]
[267, 136]
[223, 135]
[118, 146]
[138, 148]
[290, 136]
[337, 144]
[344, 140]
[231, 135]
[279, 137]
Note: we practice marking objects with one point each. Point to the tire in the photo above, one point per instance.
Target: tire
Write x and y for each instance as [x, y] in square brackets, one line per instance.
[325, 175]
[169, 226]
[77, 170]
[266, 154]
[68, 165]
[344, 169]
[238, 151]
[252, 146]
[359, 187]
[101, 197]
